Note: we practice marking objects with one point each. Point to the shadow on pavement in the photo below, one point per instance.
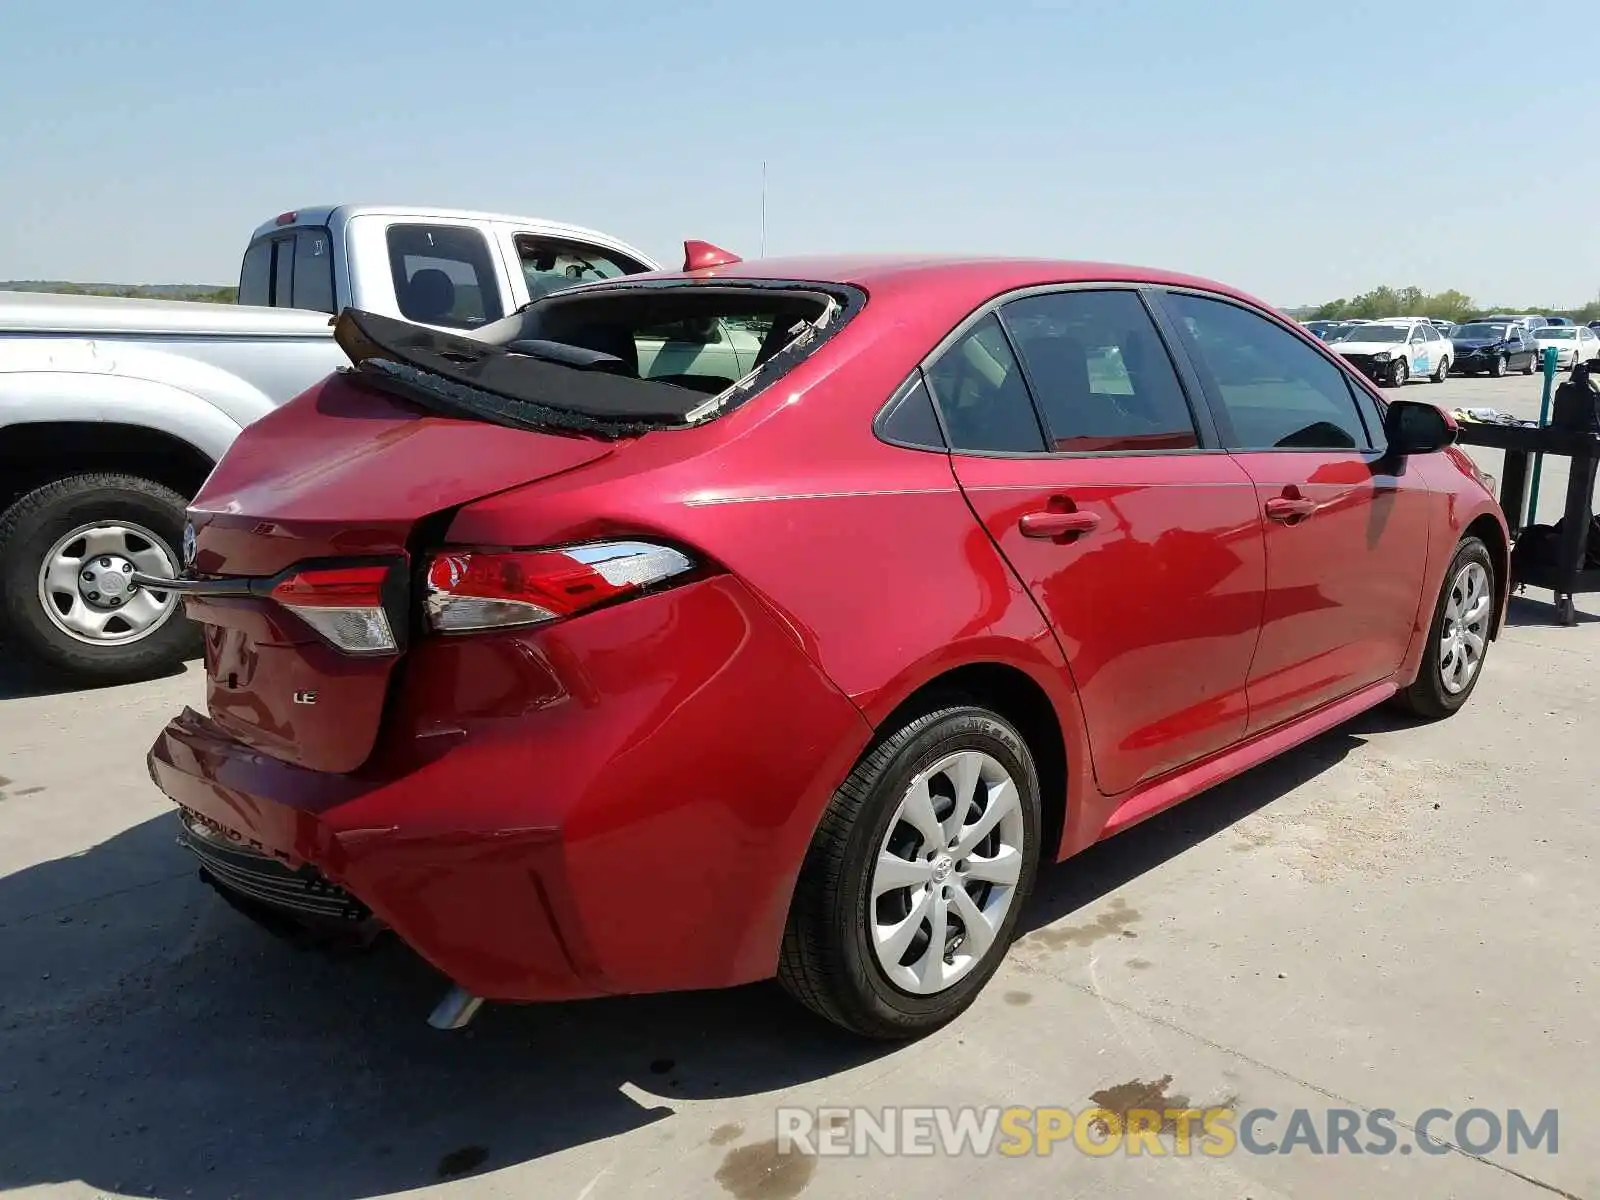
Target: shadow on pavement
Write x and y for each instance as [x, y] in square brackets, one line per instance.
[1080, 881]
[152, 1042]
[1529, 610]
[20, 679]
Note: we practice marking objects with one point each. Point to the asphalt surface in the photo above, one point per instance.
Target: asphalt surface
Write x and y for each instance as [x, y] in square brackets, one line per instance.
[1390, 917]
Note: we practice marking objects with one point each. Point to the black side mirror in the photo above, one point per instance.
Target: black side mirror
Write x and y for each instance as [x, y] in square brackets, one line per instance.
[1416, 427]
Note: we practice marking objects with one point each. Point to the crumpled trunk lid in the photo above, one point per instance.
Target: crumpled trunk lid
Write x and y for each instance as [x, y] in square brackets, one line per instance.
[342, 474]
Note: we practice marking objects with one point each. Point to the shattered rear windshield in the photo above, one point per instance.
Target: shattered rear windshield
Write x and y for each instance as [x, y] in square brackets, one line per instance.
[605, 360]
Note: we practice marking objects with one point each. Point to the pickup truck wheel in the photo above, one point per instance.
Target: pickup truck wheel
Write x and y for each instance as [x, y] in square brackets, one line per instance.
[66, 551]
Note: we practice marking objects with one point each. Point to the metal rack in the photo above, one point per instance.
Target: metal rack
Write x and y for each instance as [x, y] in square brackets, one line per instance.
[1566, 577]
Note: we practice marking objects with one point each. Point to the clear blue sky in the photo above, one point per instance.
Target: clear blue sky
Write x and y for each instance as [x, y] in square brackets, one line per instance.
[1299, 150]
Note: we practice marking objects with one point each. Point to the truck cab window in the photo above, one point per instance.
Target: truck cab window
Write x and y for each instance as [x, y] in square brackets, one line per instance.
[255, 277]
[313, 270]
[444, 275]
[550, 265]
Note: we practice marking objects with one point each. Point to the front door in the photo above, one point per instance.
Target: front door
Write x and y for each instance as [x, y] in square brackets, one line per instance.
[1143, 549]
[1346, 527]
[1421, 352]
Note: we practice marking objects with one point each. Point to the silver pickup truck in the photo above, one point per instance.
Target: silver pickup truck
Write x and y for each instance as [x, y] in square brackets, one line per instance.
[113, 412]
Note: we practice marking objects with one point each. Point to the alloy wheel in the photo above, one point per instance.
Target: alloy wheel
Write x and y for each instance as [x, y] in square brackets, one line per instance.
[946, 873]
[86, 590]
[1464, 633]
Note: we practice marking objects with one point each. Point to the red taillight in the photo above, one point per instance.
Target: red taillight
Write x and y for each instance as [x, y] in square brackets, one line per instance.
[492, 589]
[343, 604]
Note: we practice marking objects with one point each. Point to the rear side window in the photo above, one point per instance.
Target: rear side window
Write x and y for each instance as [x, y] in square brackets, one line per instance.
[1277, 392]
[908, 419]
[255, 277]
[982, 396]
[313, 270]
[443, 275]
[290, 270]
[1101, 374]
[283, 272]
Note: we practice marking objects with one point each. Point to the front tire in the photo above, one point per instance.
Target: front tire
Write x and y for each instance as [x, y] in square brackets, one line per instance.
[1399, 373]
[1498, 367]
[914, 881]
[66, 550]
[1532, 359]
[1458, 636]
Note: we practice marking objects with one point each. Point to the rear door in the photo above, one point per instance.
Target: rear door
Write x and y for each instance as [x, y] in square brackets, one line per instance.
[1139, 539]
[1346, 528]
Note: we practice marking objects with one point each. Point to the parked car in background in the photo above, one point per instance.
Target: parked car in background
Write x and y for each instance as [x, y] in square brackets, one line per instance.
[1340, 329]
[113, 412]
[1493, 347]
[1558, 321]
[1320, 328]
[1528, 321]
[1572, 343]
[1394, 352]
[480, 614]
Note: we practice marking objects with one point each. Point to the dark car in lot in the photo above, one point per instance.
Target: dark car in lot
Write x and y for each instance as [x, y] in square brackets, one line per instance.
[1493, 348]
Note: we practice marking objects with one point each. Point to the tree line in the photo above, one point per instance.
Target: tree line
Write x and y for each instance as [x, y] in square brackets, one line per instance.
[204, 293]
[1448, 305]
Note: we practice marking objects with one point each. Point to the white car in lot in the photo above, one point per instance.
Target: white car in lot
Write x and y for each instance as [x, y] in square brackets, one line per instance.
[1393, 352]
[1573, 343]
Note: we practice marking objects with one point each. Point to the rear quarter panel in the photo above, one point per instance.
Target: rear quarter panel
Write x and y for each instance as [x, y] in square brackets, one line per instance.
[867, 553]
[1459, 500]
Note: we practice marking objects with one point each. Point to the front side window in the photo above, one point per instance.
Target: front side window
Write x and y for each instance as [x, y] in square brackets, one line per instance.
[1277, 392]
[443, 275]
[982, 396]
[1100, 372]
[552, 264]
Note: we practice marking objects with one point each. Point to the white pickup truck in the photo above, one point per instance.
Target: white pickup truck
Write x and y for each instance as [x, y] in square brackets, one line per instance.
[113, 412]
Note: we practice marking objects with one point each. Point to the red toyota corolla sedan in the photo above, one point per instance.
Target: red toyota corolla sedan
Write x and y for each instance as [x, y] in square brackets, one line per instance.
[783, 618]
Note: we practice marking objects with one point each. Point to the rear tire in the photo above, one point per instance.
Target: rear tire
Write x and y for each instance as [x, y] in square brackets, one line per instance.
[1443, 371]
[1430, 696]
[30, 530]
[835, 957]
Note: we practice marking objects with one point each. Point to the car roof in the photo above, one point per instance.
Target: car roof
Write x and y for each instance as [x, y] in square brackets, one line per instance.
[956, 275]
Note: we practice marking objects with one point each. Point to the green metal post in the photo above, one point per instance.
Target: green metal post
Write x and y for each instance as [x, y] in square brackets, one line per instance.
[1544, 419]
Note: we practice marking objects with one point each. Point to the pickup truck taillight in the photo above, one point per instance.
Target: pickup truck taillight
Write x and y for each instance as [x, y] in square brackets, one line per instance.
[495, 589]
[343, 604]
